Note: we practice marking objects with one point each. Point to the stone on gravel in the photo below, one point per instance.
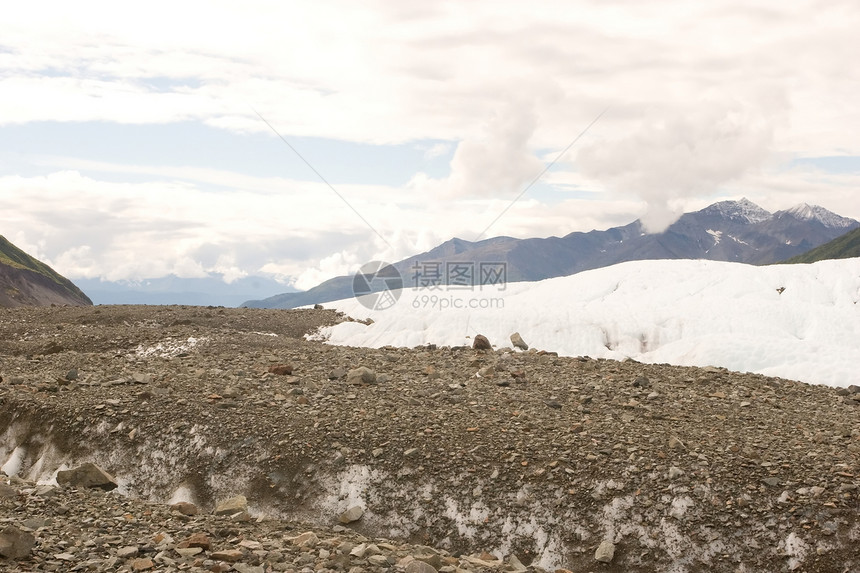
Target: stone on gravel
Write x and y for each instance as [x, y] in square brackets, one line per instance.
[128, 551]
[361, 375]
[515, 565]
[185, 508]
[229, 555]
[481, 342]
[200, 540]
[14, 543]
[416, 566]
[281, 369]
[354, 513]
[307, 539]
[87, 475]
[337, 373]
[605, 552]
[518, 341]
[143, 564]
[233, 505]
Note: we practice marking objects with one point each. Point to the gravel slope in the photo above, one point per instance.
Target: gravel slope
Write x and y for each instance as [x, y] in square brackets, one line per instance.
[509, 453]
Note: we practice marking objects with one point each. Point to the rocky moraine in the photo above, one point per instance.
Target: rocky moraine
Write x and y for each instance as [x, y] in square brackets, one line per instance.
[213, 439]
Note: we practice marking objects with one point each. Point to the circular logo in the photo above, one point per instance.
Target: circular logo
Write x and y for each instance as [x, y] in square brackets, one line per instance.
[377, 285]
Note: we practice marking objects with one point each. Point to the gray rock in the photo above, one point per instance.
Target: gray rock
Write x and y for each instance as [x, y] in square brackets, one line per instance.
[337, 373]
[354, 513]
[87, 475]
[128, 551]
[518, 341]
[605, 552]
[515, 565]
[141, 378]
[233, 505]
[359, 550]
[245, 568]
[307, 539]
[7, 491]
[418, 566]
[16, 544]
[361, 375]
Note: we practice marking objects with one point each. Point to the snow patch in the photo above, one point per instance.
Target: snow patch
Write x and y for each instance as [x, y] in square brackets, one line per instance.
[349, 488]
[807, 212]
[796, 549]
[182, 493]
[168, 348]
[12, 465]
[716, 235]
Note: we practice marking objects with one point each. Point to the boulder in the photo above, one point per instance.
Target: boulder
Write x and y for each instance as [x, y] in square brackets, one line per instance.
[87, 475]
[281, 369]
[354, 513]
[361, 375]
[605, 552]
[233, 505]
[481, 342]
[185, 508]
[518, 341]
[16, 544]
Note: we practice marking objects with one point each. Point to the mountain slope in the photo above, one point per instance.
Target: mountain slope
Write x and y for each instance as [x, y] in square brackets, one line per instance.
[846, 246]
[25, 281]
[734, 231]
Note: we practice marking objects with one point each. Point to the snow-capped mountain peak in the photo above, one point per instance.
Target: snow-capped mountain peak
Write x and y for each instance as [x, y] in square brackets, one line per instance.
[742, 210]
[807, 212]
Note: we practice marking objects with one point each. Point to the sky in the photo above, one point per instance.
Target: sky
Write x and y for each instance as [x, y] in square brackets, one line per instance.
[300, 140]
[799, 322]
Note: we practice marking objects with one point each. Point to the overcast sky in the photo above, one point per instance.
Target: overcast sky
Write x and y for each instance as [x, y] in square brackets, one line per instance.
[131, 146]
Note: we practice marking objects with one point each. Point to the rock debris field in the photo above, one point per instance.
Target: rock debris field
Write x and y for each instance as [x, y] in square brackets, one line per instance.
[210, 439]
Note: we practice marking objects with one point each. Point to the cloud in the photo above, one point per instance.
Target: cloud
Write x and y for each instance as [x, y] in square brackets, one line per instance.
[693, 117]
[437, 150]
[679, 155]
[494, 162]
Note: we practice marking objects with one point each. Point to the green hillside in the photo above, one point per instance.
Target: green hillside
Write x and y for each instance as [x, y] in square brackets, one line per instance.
[15, 257]
[846, 246]
[21, 271]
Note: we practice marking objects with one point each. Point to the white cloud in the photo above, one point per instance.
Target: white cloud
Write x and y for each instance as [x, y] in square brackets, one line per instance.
[702, 98]
[385, 74]
[688, 153]
[437, 150]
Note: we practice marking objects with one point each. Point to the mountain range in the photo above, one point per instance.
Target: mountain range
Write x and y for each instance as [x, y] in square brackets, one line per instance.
[738, 231]
[26, 281]
[211, 290]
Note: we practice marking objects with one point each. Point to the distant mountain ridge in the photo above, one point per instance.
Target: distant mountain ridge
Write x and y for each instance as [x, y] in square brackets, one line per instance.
[738, 231]
[26, 281]
[211, 290]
